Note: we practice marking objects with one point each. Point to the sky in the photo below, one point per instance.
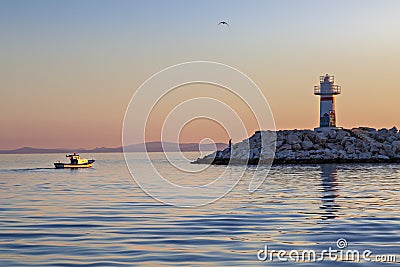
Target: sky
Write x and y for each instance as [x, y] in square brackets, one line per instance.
[68, 69]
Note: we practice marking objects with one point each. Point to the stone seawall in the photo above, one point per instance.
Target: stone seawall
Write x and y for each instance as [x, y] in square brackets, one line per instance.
[357, 145]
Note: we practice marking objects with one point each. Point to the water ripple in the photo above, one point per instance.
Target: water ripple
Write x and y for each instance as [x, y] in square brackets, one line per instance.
[99, 217]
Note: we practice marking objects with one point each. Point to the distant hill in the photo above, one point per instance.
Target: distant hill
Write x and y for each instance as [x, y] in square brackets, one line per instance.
[150, 146]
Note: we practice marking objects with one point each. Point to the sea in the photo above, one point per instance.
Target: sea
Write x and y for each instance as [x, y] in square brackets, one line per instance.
[102, 217]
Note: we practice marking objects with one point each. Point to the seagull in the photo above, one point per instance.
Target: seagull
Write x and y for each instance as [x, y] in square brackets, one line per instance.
[223, 23]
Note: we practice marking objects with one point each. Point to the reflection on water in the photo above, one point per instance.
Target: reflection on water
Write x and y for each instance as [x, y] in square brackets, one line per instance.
[100, 217]
[329, 191]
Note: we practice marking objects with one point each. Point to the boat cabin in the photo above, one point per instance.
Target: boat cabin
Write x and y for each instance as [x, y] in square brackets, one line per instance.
[76, 159]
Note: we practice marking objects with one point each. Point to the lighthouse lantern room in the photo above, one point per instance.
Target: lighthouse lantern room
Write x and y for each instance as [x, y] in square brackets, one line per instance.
[327, 91]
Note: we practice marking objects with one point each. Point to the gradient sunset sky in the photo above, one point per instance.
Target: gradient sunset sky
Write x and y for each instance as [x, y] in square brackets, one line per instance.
[69, 68]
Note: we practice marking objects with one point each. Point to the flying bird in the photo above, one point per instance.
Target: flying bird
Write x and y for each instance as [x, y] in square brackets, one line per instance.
[223, 23]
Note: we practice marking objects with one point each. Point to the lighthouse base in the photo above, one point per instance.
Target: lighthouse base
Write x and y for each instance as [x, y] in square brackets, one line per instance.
[326, 129]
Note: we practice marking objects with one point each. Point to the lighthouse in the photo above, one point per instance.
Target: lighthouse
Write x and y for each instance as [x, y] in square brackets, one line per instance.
[327, 91]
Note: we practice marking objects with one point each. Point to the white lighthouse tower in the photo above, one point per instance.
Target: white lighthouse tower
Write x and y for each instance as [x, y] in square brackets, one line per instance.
[327, 90]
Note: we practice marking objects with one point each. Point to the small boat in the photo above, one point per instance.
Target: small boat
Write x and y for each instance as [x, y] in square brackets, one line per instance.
[76, 162]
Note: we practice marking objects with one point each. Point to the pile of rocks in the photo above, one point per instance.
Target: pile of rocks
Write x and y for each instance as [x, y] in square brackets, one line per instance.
[361, 144]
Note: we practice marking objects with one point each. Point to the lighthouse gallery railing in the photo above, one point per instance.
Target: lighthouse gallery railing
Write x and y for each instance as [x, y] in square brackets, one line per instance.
[335, 90]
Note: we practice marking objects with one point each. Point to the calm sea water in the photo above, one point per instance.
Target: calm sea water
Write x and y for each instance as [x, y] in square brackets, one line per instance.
[100, 217]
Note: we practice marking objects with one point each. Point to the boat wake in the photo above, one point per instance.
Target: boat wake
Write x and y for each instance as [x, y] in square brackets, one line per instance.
[25, 169]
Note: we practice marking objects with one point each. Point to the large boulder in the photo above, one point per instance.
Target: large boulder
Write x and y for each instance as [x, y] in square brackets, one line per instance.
[382, 157]
[225, 155]
[391, 138]
[296, 146]
[386, 147]
[268, 137]
[347, 141]
[350, 149]
[396, 146]
[342, 154]
[241, 150]
[292, 139]
[374, 148]
[310, 136]
[365, 155]
[321, 138]
[383, 134]
[267, 153]
[331, 146]
[302, 154]
[280, 136]
[393, 130]
[279, 144]
[317, 147]
[254, 153]
[307, 145]
[341, 134]
[367, 129]
[285, 147]
[329, 154]
[332, 134]
[285, 154]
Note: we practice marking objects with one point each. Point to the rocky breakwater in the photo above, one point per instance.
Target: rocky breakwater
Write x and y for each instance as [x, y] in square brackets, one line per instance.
[357, 145]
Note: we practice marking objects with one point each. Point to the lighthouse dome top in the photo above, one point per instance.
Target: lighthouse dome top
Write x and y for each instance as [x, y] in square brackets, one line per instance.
[327, 79]
[327, 86]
